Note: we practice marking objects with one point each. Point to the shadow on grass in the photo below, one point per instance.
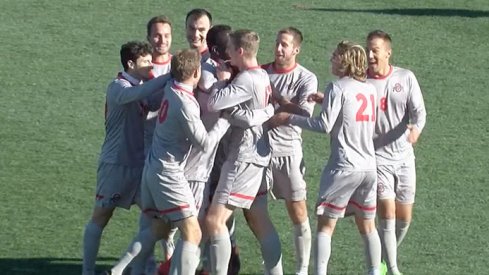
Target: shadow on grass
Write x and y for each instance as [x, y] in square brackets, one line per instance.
[28, 266]
[410, 12]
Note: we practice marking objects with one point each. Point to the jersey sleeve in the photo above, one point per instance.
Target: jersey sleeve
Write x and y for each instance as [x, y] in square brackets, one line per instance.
[330, 111]
[195, 129]
[309, 87]
[207, 78]
[244, 118]
[416, 107]
[134, 93]
[238, 91]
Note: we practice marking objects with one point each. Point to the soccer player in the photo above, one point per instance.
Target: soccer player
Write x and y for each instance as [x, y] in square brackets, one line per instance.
[242, 183]
[293, 84]
[197, 24]
[349, 178]
[401, 118]
[165, 192]
[122, 155]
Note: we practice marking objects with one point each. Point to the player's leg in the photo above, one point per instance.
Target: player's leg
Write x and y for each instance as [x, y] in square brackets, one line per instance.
[234, 262]
[386, 207]
[220, 244]
[363, 201]
[405, 195]
[187, 252]
[322, 247]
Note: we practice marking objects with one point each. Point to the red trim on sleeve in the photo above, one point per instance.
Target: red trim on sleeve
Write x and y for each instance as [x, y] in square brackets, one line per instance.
[242, 196]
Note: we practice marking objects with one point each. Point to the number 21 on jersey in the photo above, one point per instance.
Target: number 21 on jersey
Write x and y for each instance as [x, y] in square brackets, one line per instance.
[362, 113]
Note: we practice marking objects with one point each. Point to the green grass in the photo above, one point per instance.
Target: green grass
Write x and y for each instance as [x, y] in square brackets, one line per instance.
[58, 56]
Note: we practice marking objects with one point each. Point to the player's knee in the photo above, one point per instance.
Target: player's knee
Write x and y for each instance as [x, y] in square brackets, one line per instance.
[386, 209]
[297, 211]
[190, 230]
[101, 216]
[365, 226]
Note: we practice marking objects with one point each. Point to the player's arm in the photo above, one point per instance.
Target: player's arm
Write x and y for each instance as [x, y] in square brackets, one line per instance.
[330, 111]
[134, 93]
[195, 129]
[207, 78]
[416, 109]
[304, 107]
[245, 118]
[224, 97]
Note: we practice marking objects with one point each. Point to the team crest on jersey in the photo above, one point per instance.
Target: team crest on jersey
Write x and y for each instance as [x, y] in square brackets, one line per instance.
[115, 197]
[380, 187]
[397, 88]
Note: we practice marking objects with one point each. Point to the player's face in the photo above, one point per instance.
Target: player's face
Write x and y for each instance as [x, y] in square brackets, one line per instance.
[160, 38]
[378, 53]
[335, 64]
[285, 49]
[234, 55]
[196, 29]
[143, 66]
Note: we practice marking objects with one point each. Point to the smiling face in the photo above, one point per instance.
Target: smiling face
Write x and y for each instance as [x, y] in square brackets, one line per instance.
[160, 38]
[378, 52]
[196, 31]
[285, 49]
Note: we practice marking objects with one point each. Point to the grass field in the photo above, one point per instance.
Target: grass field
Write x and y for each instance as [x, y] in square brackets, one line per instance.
[58, 56]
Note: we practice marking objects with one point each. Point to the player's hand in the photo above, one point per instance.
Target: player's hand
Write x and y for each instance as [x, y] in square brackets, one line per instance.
[278, 119]
[317, 97]
[413, 134]
[223, 71]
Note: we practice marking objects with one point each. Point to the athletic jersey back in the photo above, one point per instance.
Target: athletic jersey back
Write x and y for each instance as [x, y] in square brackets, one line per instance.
[294, 85]
[250, 90]
[400, 103]
[124, 117]
[159, 68]
[348, 114]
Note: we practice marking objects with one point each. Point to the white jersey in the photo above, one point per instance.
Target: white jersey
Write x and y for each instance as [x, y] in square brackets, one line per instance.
[178, 128]
[250, 90]
[294, 85]
[348, 114]
[400, 103]
[159, 68]
[124, 117]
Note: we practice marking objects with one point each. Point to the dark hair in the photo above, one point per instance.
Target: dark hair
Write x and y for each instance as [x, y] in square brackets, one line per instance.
[296, 34]
[217, 39]
[133, 50]
[157, 19]
[379, 34]
[197, 13]
[184, 63]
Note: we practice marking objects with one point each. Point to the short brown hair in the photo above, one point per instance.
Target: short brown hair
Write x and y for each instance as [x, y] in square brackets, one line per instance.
[184, 63]
[379, 34]
[246, 39]
[296, 34]
[353, 60]
[157, 19]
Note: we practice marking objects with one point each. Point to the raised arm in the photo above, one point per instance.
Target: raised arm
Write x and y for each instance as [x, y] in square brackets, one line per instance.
[135, 93]
[244, 118]
[224, 97]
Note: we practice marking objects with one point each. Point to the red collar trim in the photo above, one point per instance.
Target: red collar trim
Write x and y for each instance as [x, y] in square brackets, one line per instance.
[182, 89]
[204, 51]
[254, 67]
[380, 76]
[283, 71]
[120, 75]
[165, 62]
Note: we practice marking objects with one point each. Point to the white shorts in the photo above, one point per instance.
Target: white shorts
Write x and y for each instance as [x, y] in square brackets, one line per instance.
[340, 189]
[288, 178]
[241, 184]
[397, 182]
[201, 196]
[168, 197]
[117, 185]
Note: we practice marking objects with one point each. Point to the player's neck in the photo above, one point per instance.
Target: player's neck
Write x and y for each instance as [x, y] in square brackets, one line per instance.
[161, 58]
[382, 72]
[248, 64]
[132, 76]
[284, 67]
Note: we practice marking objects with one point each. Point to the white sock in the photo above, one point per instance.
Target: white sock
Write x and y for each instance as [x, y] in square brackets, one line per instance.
[185, 258]
[401, 230]
[302, 241]
[220, 250]
[372, 250]
[133, 250]
[272, 254]
[146, 240]
[389, 244]
[231, 225]
[91, 244]
[322, 253]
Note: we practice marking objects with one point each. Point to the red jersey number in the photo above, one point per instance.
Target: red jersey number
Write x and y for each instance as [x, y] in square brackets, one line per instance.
[361, 116]
[163, 112]
[383, 104]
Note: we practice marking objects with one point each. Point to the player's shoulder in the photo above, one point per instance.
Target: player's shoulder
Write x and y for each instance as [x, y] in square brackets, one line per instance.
[268, 67]
[305, 73]
[402, 72]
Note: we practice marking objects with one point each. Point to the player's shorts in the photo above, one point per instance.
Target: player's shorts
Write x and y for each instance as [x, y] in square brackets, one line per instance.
[117, 185]
[397, 182]
[168, 197]
[288, 178]
[242, 184]
[340, 189]
[200, 192]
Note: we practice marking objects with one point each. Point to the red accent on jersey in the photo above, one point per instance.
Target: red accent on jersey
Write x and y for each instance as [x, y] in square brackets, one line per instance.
[253, 67]
[283, 71]
[242, 196]
[370, 75]
[151, 75]
[182, 89]
[163, 111]
[164, 62]
[332, 206]
[365, 208]
[166, 211]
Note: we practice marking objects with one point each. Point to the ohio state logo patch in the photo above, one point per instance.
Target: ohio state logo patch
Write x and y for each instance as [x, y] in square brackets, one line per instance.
[397, 88]
[380, 188]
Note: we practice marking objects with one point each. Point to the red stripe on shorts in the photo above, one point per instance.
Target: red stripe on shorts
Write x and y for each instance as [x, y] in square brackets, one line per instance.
[99, 197]
[354, 203]
[332, 206]
[166, 211]
[241, 196]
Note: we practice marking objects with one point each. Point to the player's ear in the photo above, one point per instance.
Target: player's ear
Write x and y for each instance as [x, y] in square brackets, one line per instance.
[297, 50]
[131, 64]
[241, 51]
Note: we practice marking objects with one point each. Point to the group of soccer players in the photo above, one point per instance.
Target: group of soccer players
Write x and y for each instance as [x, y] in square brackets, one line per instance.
[190, 137]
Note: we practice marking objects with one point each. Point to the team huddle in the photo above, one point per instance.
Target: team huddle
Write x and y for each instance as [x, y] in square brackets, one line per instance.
[193, 136]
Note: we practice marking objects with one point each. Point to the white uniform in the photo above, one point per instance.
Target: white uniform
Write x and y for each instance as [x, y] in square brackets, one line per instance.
[400, 103]
[243, 173]
[150, 123]
[165, 190]
[287, 164]
[348, 114]
[122, 157]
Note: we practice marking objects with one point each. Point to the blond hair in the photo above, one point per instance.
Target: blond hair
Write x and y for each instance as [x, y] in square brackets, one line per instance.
[353, 60]
[248, 40]
[184, 64]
